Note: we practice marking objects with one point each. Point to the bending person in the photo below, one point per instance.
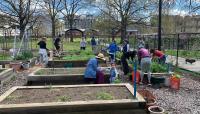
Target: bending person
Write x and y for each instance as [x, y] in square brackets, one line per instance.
[144, 56]
[90, 74]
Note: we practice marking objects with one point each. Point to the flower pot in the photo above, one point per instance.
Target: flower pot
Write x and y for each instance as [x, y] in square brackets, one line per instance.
[15, 65]
[156, 110]
[149, 97]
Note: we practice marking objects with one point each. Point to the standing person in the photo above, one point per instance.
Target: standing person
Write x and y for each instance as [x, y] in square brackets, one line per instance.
[144, 56]
[112, 50]
[161, 56]
[57, 44]
[43, 52]
[124, 57]
[126, 48]
[141, 43]
[113, 73]
[83, 44]
[93, 44]
[90, 74]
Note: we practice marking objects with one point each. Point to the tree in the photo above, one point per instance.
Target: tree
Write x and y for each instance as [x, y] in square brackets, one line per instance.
[21, 11]
[71, 7]
[53, 8]
[127, 11]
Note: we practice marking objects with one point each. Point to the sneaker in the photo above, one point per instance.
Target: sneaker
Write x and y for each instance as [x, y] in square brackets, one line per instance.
[149, 84]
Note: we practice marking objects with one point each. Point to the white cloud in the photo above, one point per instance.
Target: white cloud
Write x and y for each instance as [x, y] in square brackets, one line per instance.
[178, 12]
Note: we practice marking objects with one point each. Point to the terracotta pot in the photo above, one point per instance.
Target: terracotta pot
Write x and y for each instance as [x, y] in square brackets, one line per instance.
[156, 110]
[149, 97]
[15, 65]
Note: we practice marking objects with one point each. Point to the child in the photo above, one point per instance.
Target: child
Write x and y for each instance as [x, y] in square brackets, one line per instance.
[83, 44]
[113, 73]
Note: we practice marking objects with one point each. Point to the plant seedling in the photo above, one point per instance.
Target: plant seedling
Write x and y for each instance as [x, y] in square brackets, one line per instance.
[104, 96]
[64, 98]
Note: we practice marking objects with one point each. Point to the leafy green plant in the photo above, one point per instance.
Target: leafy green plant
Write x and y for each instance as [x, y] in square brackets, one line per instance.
[155, 67]
[64, 98]
[117, 81]
[104, 96]
[24, 55]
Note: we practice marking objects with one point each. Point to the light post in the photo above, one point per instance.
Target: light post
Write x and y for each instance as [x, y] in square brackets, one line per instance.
[159, 25]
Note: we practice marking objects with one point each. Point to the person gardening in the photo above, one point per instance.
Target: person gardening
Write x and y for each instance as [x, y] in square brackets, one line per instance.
[43, 52]
[112, 50]
[145, 64]
[161, 56]
[57, 44]
[124, 57]
[90, 75]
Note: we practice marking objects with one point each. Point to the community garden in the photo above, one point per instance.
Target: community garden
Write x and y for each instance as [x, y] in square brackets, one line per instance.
[99, 57]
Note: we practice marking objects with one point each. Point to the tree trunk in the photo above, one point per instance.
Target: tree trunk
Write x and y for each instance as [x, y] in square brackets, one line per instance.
[53, 28]
[123, 30]
[71, 36]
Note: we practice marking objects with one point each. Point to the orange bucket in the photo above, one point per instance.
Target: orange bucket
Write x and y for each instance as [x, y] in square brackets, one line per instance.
[137, 77]
[175, 83]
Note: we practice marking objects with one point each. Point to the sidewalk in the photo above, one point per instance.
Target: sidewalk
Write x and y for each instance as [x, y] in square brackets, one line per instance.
[195, 67]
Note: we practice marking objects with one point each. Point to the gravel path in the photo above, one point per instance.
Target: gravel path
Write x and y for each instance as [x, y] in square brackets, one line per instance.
[184, 101]
[18, 80]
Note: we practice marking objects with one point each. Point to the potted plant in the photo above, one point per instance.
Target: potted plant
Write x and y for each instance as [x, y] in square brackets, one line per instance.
[21, 60]
[156, 110]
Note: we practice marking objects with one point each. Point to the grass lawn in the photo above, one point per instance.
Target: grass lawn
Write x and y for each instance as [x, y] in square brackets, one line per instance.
[184, 53]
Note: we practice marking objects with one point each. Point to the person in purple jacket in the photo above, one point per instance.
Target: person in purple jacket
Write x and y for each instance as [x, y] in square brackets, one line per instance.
[144, 56]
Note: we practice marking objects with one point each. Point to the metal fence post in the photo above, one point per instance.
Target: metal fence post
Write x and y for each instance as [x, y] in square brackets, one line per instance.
[178, 39]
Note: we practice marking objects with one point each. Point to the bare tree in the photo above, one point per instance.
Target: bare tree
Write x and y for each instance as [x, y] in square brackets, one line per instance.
[21, 11]
[71, 7]
[53, 8]
[127, 11]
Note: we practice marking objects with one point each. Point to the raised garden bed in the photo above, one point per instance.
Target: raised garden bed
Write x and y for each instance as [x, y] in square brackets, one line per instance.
[5, 75]
[70, 63]
[72, 99]
[59, 75]
[31, 62]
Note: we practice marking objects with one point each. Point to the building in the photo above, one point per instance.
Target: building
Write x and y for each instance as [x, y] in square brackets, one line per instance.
[81, 22]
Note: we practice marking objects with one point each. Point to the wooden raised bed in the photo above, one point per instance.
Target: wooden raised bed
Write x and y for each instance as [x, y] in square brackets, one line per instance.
[31, 61]
[59, 75]
[6, 75]
[79, 99]
[65, 63]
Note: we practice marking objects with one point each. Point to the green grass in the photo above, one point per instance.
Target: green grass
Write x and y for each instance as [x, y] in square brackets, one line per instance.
[184, 53]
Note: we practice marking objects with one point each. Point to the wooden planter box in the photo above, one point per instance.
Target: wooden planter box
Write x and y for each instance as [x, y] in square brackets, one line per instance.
[6, 75]
[65, 63]
[31, 61]
[62, 75]
[27, 100]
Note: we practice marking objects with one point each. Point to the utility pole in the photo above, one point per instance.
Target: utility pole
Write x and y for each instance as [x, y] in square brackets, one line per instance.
[159, 25]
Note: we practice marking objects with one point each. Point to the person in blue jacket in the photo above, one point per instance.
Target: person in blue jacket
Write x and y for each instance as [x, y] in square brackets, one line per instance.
[92, 67]
[112, 50]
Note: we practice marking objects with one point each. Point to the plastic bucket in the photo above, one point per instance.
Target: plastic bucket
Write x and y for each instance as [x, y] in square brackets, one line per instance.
[137, 76]
[175, 83]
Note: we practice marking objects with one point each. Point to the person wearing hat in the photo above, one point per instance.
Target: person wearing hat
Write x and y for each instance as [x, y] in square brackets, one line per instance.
[145, 64]
[43, 52]
[90, 74]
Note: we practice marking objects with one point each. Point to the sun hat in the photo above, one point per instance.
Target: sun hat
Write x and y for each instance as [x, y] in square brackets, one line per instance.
[100, 56]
